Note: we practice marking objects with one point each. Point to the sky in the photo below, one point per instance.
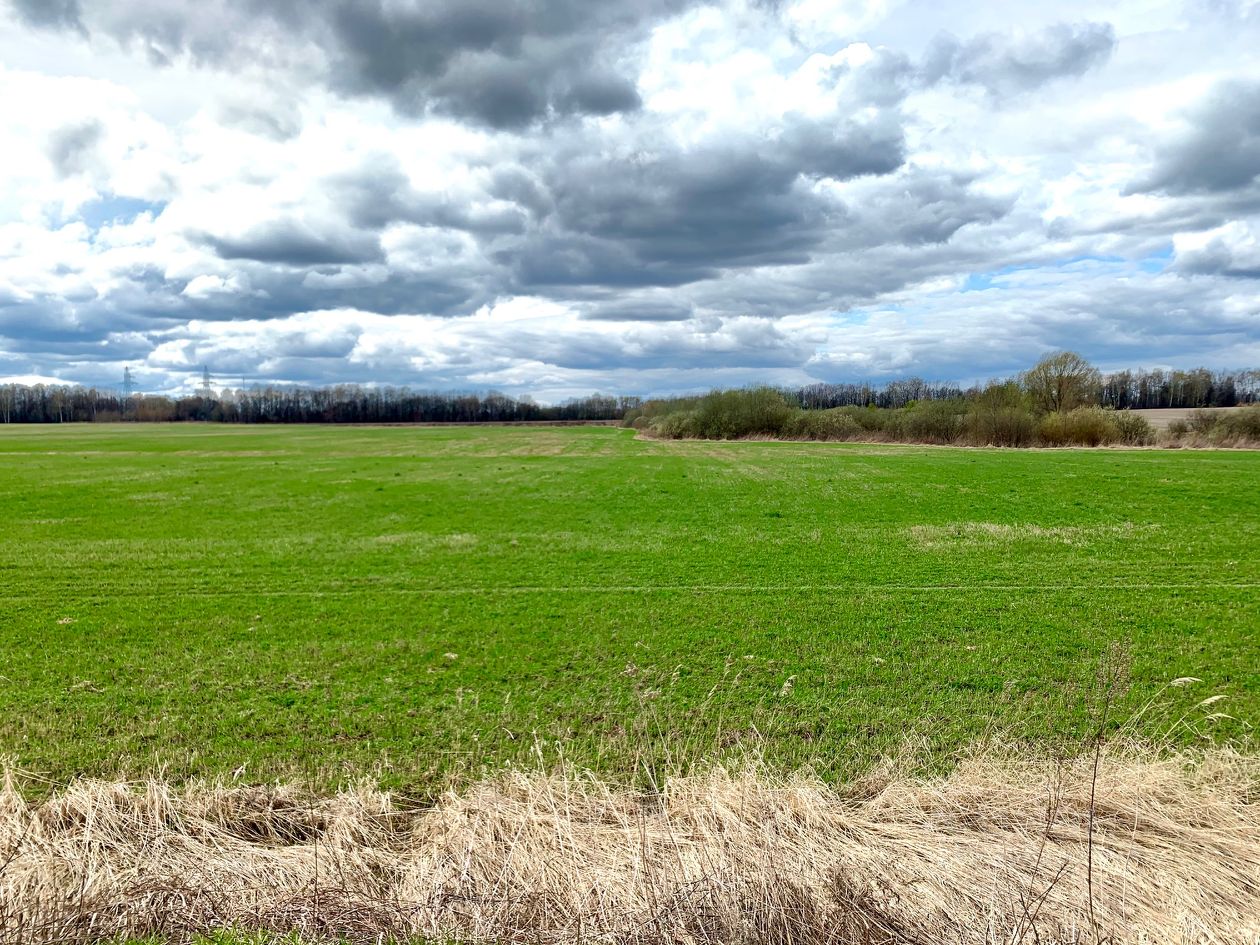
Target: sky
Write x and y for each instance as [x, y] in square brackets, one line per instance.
[556, 197]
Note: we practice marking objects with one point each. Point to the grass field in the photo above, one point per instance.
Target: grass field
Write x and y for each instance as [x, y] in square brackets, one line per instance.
[420, 604]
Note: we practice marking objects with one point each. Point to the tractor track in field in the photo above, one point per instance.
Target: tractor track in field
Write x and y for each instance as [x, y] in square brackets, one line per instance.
[661, 588]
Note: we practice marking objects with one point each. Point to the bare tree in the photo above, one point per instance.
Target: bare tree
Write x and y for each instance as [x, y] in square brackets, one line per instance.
[1062, 381]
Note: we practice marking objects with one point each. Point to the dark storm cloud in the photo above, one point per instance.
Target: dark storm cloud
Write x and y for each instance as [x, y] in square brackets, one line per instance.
[71, 149]
[1005, 65]
[502, 63]
[292, 244]
[1219, 153]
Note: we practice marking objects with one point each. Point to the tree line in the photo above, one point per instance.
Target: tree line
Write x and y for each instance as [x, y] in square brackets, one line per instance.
[342, 403]
[352, 403]
[1123, 390]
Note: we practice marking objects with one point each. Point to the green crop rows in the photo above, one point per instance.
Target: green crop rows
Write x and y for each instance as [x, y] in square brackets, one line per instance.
[420, 605]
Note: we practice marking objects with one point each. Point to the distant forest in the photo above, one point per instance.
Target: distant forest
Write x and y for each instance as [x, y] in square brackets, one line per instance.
[348, 403]
[1122, 390]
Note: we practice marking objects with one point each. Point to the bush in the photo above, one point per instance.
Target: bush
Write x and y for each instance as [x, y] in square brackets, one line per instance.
[1134, 429]
[651, 413]
[1002, 394]
[1203, 422]
[676, 426]
[730, 414]
[998, 415]
[720, 415]
[934, 421]
[832, 424]
[1242, 425]
[1084, 426]
[881, 423]
[986, 425]
[869, 419]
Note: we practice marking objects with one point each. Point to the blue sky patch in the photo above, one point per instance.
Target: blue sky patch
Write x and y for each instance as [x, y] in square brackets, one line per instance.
[979, 281]
[111, 209]
[1157, 262]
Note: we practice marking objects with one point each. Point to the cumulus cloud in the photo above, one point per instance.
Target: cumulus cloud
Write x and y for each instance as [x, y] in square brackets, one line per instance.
[58, 14]
[554, 196]
[291, 243]
[278, 120]
[639, 307]
[677, 214]
[1006, 64]
[70, 148]
[1218, 152]
[1230, 250]
[504, 63]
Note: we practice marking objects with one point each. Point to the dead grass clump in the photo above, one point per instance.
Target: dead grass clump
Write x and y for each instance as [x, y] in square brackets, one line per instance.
[1004, 849]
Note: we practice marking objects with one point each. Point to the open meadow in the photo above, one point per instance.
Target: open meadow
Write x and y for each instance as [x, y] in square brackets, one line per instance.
[421, 605]
[241, 619]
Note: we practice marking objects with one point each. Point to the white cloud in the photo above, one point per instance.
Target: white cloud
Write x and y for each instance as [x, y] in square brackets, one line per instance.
[205, 285]
[798, 197]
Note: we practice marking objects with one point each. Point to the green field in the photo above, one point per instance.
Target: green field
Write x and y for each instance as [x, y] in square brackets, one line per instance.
[421, 604]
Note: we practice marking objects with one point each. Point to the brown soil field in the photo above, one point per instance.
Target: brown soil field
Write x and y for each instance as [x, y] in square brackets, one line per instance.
[1160, 417]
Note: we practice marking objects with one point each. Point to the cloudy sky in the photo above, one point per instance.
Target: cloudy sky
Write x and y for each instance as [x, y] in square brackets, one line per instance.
[636, 196]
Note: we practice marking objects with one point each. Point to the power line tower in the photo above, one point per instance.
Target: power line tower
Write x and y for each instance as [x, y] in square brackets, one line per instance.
[129, 388]
[206, 392]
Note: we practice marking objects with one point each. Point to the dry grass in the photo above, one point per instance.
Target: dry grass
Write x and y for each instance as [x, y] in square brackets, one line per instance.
[1002, 850]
